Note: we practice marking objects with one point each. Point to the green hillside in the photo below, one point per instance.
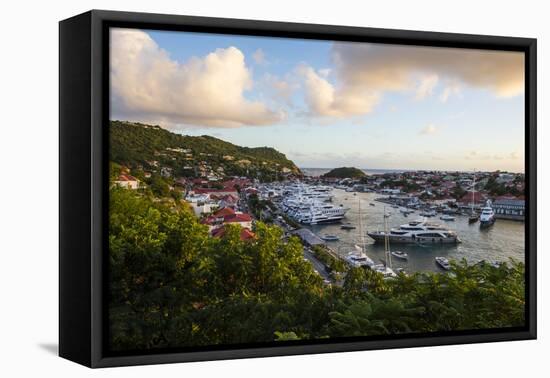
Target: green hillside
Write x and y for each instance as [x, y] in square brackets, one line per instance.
[345, 172]
[151, 148]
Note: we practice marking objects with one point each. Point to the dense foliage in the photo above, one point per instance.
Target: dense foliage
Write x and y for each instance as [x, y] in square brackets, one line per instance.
[171, 285]
[498, 189]
[345, 172]
[406, 186]
[135, 144]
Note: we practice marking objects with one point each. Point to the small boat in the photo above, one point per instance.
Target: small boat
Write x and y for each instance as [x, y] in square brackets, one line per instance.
[372, 204]
[400, 255]
[473, 218]
[348, 226]
[387, 215]
[395, 206]
[400, 271]
[428, 214]
[443, 262]
[330, 238]
[447, 217]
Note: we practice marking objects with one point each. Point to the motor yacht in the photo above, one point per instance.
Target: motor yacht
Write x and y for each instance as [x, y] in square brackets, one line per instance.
[487, 216]
[419, 231]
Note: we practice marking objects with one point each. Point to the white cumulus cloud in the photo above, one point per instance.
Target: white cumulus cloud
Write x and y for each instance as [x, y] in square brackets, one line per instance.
[324, 99]
[364, 72]
[148, 85]
[426, 86]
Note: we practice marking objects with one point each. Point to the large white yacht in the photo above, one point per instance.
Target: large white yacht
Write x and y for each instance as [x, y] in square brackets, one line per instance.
[419, 231]
[487, 216]
[310, 204]
[317, 213]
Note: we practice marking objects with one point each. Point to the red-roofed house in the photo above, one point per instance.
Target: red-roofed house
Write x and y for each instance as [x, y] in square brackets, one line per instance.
[127, 181]
[227, 215]
[478, 199]
[224, 212]
[251, 190]
[237, 182]
[246, 234]
[244, 220]
[216, 192]
[229, 201]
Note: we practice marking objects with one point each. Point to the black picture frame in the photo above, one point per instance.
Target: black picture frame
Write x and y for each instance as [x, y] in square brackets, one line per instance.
[83, 146]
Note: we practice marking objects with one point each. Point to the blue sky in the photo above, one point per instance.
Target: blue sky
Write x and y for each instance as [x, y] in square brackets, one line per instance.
[325, 104]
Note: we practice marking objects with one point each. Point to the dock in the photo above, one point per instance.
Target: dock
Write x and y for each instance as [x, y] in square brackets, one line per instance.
[308, 237]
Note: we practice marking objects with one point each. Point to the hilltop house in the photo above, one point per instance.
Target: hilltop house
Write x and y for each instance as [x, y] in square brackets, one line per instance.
[227, 215]
[216, 192]
[242, 219]
[246, 234]
[228, 201]
[127, 181]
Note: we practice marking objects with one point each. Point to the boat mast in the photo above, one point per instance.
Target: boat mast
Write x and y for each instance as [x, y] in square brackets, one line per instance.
[387, 253]
[361, 236]
[473, 191]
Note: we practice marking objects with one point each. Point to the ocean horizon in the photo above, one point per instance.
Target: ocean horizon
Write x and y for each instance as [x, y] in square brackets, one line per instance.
[368, 171]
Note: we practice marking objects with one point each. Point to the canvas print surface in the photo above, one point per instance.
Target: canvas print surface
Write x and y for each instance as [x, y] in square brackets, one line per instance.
[270, 190]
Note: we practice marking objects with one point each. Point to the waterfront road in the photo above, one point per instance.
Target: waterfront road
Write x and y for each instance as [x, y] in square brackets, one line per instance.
[317, 265]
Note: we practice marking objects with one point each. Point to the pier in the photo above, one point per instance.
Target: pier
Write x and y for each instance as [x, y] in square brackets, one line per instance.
[309, 237]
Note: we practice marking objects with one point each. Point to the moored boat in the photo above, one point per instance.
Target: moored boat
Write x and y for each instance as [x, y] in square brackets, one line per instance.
[443, 262]
[447, 217]
[414, 232]
[330, 237]
[428, 213]
[385, 270]
[400, 255]
[358, 258]
[487, 216]
[348, 226]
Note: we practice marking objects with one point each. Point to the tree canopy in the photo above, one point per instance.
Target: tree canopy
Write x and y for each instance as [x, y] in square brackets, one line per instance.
[172, 285]
[345, 172]
[136, 144]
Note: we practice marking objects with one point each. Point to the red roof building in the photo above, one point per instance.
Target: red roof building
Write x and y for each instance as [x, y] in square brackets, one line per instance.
[246, 234]
[237, 218]
[478, 199]
[224, 212]
[227, 215]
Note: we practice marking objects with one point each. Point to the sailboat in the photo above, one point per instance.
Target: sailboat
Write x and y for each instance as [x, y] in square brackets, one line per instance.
[358, 257]
[386, 268]
[473, 216]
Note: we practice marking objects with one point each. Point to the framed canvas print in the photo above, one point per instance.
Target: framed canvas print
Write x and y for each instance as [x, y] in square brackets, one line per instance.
[234, 188]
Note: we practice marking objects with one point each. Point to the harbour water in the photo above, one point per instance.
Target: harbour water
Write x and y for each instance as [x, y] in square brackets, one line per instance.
[500, 242]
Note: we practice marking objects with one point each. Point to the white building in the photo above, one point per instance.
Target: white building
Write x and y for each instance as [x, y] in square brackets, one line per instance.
[204, 208]
[127, 181]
